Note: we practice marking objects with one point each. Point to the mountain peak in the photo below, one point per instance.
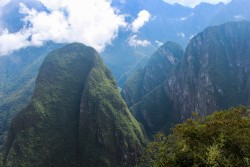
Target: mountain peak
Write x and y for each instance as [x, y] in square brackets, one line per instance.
[212, 75]
[76, 116]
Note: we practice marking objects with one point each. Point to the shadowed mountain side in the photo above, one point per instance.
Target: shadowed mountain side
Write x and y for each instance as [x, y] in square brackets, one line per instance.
[213, 75]
[158, 68]
[18, 73]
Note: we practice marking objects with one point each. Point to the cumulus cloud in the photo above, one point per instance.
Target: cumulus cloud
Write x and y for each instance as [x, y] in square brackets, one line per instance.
[53, 4]
[45, 26]
[13, 41]
[140, 21]
[134, 41]
[1, 22]
[94, 23]
[193, 3]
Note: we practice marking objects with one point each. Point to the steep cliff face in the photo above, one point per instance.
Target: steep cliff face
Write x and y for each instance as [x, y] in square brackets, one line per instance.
[76, 116]
[214, 74]
[158, 69]
[156, 111]
[215, 71]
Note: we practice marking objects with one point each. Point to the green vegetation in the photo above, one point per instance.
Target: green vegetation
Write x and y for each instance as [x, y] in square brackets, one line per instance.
[211, 76]
[133, 90]
[156, 112]
[115, 127]
[158, 69]
[222, 139]
[76, 117]
[1, 160]
[46, 129]
[18, 72]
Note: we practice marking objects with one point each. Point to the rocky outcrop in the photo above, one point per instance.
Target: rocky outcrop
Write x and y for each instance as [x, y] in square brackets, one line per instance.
[159, 67]
[213, 75]
[215, 72]
[76, 117]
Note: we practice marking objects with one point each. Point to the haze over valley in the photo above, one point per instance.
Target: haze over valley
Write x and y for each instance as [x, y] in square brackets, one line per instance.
[123, 83]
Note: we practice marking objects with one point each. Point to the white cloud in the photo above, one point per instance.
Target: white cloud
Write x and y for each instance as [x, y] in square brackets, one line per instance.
[239, 17]
[187, 17]
[181, 34]
[159, 43]
[46, 26]
[191, 36]
[193, 3]
[52, 4]
[15, 41]
[140, 21]
[1, 22]
[134, 41]
[92, 22]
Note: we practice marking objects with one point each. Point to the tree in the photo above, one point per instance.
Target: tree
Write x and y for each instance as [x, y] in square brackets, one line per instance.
[222, 139]
[1, 160]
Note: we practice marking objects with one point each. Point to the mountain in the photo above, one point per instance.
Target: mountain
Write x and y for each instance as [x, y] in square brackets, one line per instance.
[76, 116]
[122, 59]
[174, 22]
[158, 68]
[236, 10]
[213, 75]
[215, 72]
[168, 23]
[18, 72]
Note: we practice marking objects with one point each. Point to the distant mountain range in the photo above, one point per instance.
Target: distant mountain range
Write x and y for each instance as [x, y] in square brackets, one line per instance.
[176, 23]
[77, 117]
[213, 75]
[168, 23]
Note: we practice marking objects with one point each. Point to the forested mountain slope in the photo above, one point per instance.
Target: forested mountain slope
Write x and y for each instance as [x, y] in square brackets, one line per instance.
[76, 116]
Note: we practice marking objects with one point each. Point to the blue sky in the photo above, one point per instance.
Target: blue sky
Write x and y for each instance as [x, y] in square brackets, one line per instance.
[92, 22]
[192, 3]
[97, 26]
